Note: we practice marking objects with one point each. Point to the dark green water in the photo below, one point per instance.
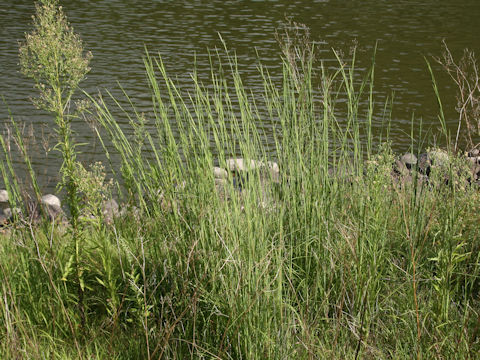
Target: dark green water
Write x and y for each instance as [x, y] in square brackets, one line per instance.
[116, 32]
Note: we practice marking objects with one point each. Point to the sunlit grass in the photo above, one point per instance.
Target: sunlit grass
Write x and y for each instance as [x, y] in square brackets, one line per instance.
[331, 257]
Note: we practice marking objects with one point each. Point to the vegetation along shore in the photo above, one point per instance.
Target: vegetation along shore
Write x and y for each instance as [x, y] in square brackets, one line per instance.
[199, 243]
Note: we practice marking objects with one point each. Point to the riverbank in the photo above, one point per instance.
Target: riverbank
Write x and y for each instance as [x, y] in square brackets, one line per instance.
[238, 176]
[256, 261]
[202, 243]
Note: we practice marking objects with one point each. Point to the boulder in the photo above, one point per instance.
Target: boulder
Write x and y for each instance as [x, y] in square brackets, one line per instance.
[51, 200]
[3, 196]
[4, 220]
[54, 212]
[273, 170]
[219, 173]
[10, 213]
[266, 169]
[424, 164]
[52, 205]
[476, 172]
[439, 158]
[110, 210]
[4, 204]
[473, 160]
[221, 188]
[474, 153]
[409, 159]
[400, 168]
[240, 165]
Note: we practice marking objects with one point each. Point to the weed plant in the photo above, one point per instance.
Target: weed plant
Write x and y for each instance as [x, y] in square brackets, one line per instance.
[331, 258]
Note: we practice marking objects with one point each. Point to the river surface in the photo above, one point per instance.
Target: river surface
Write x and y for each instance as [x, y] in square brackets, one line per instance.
[117, 32]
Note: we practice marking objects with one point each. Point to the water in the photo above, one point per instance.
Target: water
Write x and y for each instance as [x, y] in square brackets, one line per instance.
[118, 31]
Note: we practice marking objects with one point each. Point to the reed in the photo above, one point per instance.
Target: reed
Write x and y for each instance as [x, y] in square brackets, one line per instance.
[330, 257]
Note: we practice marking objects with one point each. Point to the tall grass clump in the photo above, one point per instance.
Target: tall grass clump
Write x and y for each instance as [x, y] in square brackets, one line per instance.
[226, 250]
[53, 56]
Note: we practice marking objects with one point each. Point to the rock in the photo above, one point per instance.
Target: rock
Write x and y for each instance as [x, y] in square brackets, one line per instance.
[476, 172]
[110, 210]
[472, 160]
[424, 164]
[409, 159]
[4, 220]
[474, 153]
[221, 182]
[10, 213]
[52, 206]
[54, 211]
[439, 158]
[51, 200]
[3, 196]
[221, 188]
[274, 171]
[239, 164]
[219, 173]
[128, 209]
[400, 168]
[6, 214]
[239, 168]
[4, 204]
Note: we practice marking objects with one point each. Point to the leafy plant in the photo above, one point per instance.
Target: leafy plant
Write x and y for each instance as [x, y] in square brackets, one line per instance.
[53, 56]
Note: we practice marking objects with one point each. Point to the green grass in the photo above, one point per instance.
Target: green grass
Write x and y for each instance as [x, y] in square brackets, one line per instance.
[312, 266]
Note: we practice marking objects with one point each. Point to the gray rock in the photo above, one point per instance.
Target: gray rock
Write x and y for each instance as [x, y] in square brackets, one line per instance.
[10, 213]
[3, 196]
[476, 172]
[54, 211]
[110, 210]
[472, 160]
[239, 164]
[408, 180]
[474, 153]
[409, 159]
[221, 188]
[4, 204]
[51, 200]
[424, 164]
[219, 173]
[273, 170]
[266, 169]
[439, 158]
[401, 168]
[4, 220]
[52, 205]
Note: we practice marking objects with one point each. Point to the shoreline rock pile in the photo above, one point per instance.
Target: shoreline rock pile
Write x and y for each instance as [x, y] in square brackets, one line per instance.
[238, 170]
